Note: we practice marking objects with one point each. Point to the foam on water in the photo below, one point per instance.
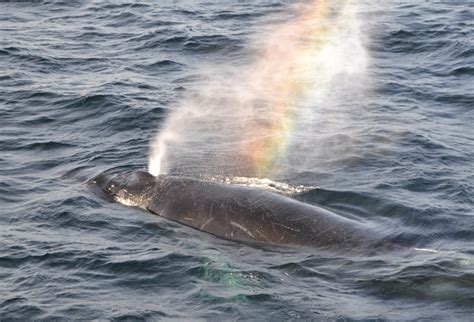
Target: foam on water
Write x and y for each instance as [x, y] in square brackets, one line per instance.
[265, 183]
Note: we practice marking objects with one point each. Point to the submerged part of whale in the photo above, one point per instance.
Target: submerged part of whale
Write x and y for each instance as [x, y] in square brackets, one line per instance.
[236, 212]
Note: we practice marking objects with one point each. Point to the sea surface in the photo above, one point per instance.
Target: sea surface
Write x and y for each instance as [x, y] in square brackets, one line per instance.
[84, 88]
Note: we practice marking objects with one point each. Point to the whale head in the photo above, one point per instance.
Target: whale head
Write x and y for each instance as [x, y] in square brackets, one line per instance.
[133, 188]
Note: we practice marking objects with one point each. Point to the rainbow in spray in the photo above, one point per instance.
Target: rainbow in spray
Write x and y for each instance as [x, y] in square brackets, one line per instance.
[299, 60]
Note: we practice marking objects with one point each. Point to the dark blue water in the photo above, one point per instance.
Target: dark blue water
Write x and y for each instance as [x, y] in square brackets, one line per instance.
[84, 87]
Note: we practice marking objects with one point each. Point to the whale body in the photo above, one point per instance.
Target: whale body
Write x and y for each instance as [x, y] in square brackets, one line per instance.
[237, 213]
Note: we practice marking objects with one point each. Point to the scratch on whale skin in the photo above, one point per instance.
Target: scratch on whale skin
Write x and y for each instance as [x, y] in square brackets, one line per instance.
[262, 234]
[287, 227]
[245, 230]
[205, 224]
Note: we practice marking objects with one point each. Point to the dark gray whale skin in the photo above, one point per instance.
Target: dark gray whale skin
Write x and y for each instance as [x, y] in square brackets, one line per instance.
[236, 212]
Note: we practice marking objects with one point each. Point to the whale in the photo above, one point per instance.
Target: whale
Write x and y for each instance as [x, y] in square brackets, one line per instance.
[238, 213]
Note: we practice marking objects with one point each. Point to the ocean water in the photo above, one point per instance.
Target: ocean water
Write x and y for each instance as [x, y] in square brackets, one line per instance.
[86, 85]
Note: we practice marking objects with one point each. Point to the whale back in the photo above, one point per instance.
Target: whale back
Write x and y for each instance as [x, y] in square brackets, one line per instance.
[236, 212]
[253, 215]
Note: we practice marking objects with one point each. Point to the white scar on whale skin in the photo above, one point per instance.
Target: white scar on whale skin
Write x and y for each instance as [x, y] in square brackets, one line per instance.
[126, 201]
[287, 227]
[140, 203]
[205, 224]
[245, 230]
